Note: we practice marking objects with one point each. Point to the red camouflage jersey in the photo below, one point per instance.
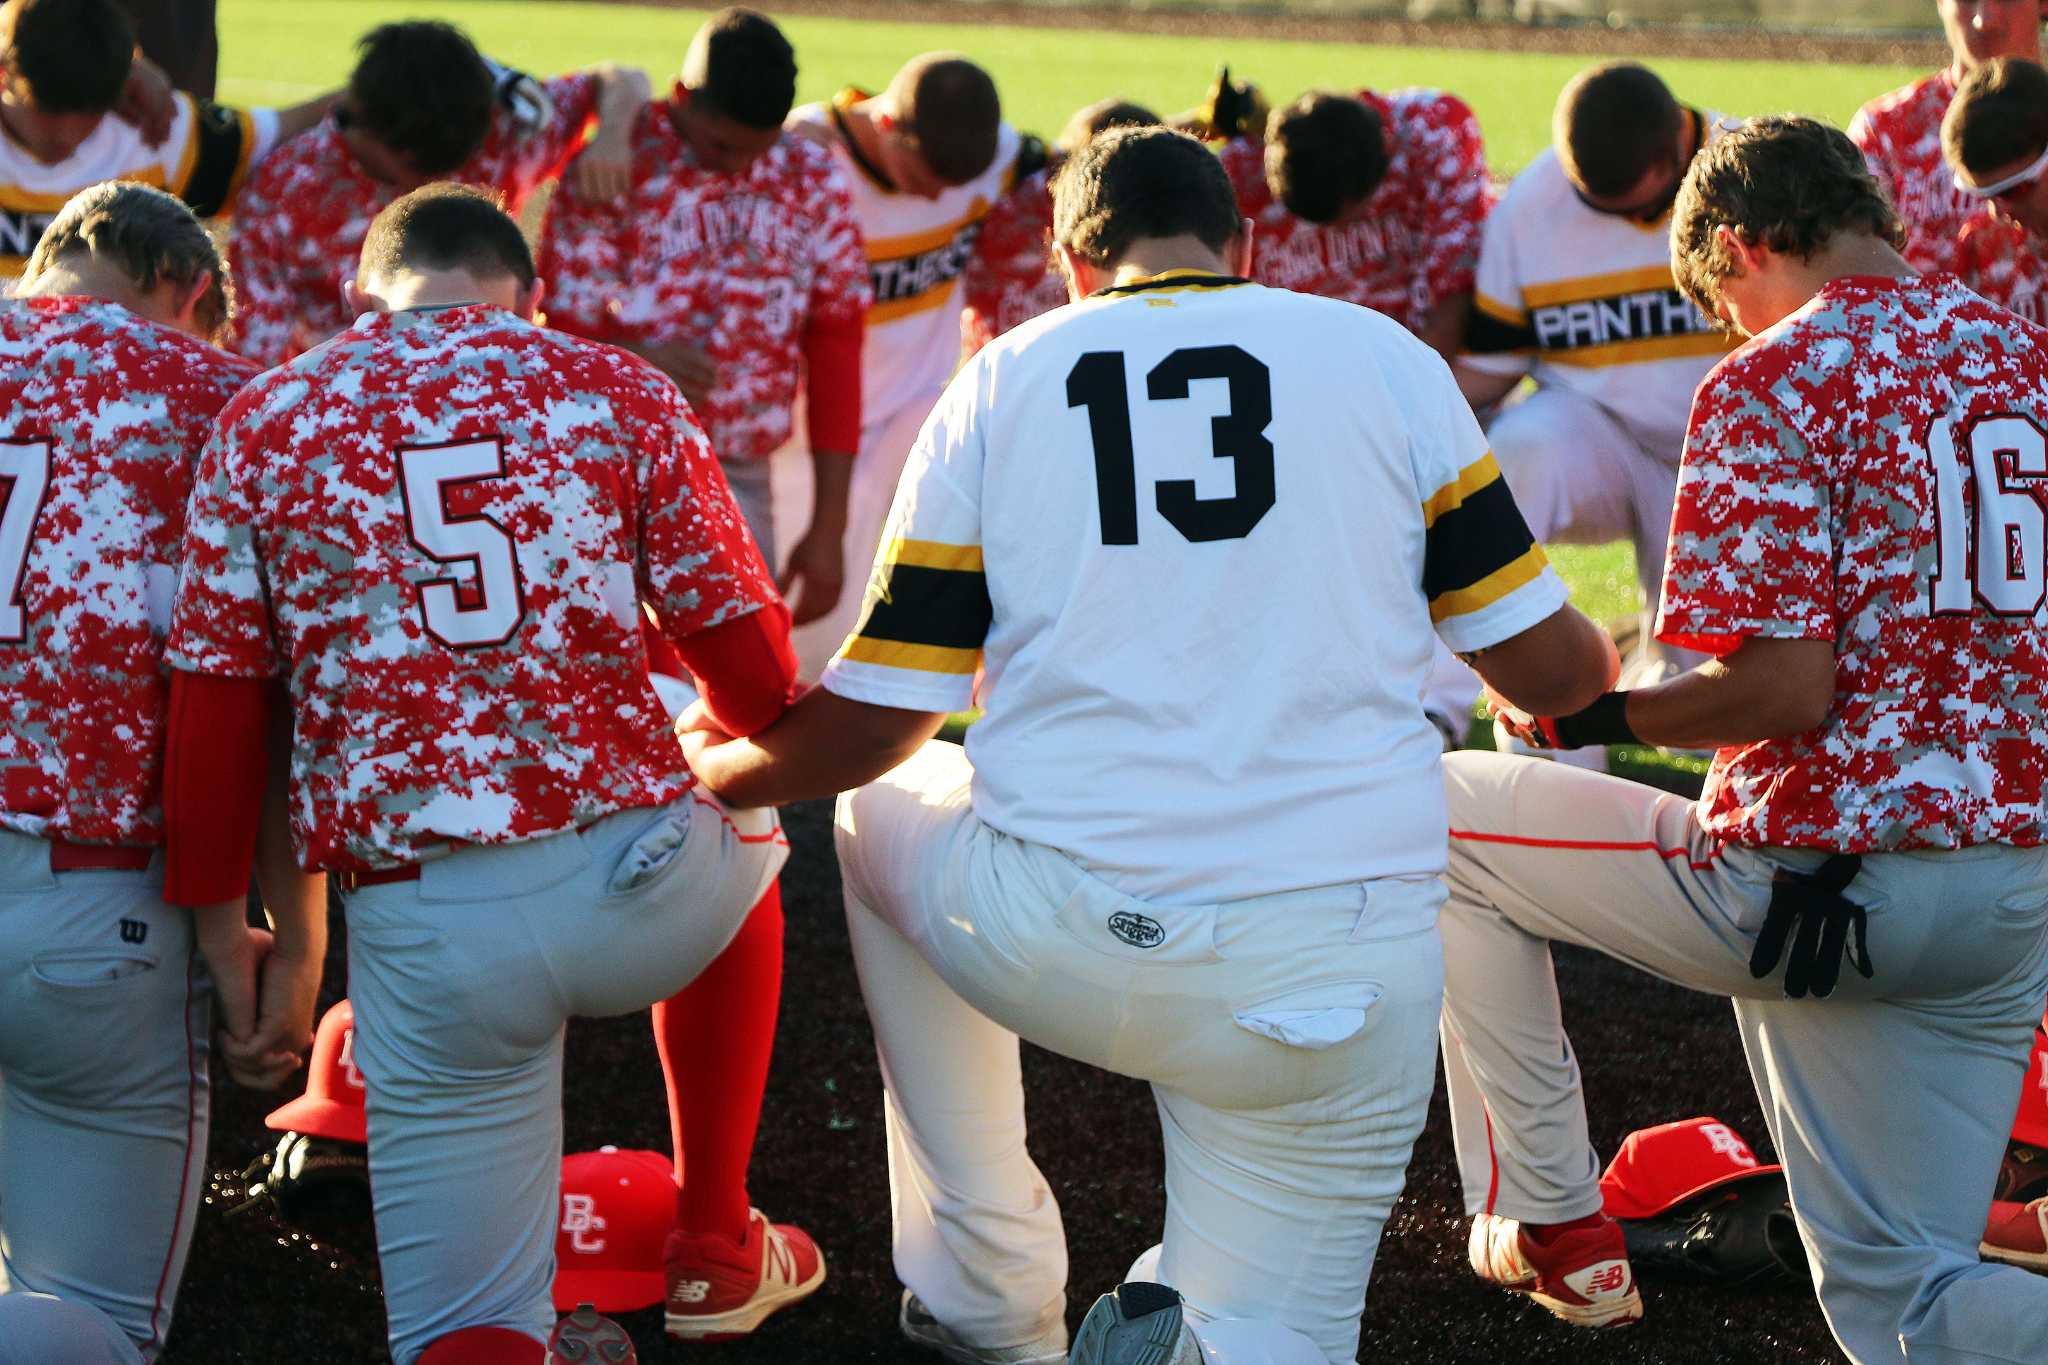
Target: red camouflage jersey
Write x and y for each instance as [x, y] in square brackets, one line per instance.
[2005, 264]
[1010, 277]
[439, 527]
[1900, 134]
[300, 222]
[1864, 472]
[1415, 243]
[106, 414]
[737, 265]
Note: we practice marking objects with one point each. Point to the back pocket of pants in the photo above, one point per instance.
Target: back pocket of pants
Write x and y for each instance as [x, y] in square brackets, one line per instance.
[1312, 1017]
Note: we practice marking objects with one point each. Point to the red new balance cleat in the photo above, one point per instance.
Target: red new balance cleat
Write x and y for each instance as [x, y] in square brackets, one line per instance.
[587, 1337]
[718, 1289]
[1582, 1276]
[2017, 1234]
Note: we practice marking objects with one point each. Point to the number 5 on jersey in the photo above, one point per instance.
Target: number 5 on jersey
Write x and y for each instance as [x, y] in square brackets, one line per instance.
[483, 601]
[24, 479]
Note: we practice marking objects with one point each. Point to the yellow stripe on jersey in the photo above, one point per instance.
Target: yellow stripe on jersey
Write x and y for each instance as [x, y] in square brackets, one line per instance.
[1597, 286]
[1654, 348]
[248, 126]
[189, 156]
[1499, 311]
[1452, 495]
[902, 654]
[16, 200]
[932, 554]
[1492, 588]
[917, 243]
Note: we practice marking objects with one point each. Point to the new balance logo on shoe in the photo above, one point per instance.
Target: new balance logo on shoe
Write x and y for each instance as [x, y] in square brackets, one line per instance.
[689, 1291]
[1608, 1279]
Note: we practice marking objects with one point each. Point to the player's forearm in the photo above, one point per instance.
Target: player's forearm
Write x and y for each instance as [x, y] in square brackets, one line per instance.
[823, 745]
[832, 480]
[294, 899]
[621, 93]
[297, 118]
[1764, 689]
[1555, 667]
[1443, 327]
[1484, 388]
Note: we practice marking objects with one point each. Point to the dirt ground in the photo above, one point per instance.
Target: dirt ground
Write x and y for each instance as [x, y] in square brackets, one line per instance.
[256, 1292]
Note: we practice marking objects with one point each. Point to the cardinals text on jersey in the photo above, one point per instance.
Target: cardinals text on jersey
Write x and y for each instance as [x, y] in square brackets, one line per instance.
[1886, 505]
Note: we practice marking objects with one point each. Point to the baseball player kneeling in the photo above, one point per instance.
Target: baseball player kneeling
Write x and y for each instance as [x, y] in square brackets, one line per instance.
[1121, 511]
[440, 528]
[1857, 543]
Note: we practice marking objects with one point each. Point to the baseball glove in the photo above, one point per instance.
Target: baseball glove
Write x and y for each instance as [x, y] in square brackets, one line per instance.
[2023, 1175]
[319, 1185]
[1735, 1235]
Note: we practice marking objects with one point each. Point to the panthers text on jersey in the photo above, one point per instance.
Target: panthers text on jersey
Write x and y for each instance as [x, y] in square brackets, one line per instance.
[440, 527]
[736, 265]
[300, 225]
[1122, 511]
[106, 414]
[1863, 473]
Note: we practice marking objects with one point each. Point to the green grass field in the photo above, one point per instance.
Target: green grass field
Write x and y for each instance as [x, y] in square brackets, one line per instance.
[278, 51]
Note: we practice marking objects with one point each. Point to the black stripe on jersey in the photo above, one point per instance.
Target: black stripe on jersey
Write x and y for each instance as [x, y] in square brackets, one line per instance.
[222, 135]
[860, 158]
[1486, 334]
[944, 608]
[1172, 281]
[1474, 540]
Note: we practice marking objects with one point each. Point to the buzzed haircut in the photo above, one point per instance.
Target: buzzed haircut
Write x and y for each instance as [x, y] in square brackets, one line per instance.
[73, 55]
[1787, 183]
[1134, 183]
[446, 227]
[1612, 124]
[147, 235]
[1323, 152]
[740, 66]
[949, 112]
[422, 89]
[1091, 121]
[1999, 116]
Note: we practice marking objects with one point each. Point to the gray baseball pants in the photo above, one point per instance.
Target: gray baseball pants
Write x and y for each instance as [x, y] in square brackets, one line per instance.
[1889, 1102]
[105, 1011]
[463, 983]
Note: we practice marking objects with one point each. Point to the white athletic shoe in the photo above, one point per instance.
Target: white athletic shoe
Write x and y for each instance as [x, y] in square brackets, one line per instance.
[922, 1329]
[1137, 1323]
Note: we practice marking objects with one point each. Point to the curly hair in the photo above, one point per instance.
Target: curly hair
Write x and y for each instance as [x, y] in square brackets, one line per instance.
[1787, 183]
[1132, 183]
[148, 235]
[1324, 152]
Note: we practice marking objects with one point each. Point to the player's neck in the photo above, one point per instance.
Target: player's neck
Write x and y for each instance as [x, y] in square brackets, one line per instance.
[1155, 256]
[420, 289]
[87, 278]
[858, 119]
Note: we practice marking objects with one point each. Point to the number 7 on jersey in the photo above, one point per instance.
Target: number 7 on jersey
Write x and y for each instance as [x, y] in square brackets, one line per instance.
[24, 479]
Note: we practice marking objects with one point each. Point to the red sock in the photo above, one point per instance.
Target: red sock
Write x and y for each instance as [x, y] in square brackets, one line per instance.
[1544, 1233]
[715, 1037]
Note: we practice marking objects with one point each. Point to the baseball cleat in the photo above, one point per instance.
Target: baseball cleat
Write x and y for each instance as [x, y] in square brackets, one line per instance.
[588, 1337]
[2017, 1234]
[920, 1328]
[719, 1289]
[1137, 1323]
[1581, 1276]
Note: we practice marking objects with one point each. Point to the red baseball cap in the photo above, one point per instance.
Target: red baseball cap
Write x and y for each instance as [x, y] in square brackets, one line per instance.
[332, 1106]
[617, 1210]
[1660, 1168]
[2031, 1127]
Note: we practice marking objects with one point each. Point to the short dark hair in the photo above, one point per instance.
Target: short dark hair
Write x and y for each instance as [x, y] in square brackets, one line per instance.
[741, 67]
[1611, 125]
[1092, 120]
[73, 55]
[950, 114]
[446, 227]
[1787, 183]
[421, 88]
[147, 235]
[1323, 152]
[1133, 183]
[1999, 116]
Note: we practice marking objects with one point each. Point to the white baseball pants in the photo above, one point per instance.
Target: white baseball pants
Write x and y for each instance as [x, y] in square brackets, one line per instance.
[105, 1014]
[1288, 1040]
[878, 467]
[1888, 1103]
[1580, 479]
[463, 982]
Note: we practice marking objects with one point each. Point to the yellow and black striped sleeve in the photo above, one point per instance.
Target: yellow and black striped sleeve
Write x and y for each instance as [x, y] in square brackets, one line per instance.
[216, 158]
[927, 610]
[1477, 549]
[1496, 328]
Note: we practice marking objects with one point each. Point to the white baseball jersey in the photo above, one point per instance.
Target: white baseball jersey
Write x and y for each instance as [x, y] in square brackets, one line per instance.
[916, 250]
[1196, 533]
[1585, 300]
